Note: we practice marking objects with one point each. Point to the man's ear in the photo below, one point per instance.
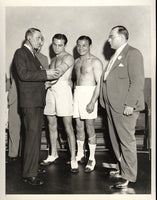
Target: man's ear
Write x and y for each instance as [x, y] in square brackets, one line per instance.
[28, 38]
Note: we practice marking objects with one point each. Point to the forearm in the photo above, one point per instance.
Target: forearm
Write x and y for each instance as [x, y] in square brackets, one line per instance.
[91, 104]
[95, 94]
[61, 70]
[97, 71]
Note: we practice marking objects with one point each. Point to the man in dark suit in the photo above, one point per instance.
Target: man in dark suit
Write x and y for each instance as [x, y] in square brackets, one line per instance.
[31, 76]
[121, 94]
[14, 119]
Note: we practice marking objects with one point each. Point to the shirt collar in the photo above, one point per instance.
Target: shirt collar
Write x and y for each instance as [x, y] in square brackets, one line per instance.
[28, 47]
[119, 50]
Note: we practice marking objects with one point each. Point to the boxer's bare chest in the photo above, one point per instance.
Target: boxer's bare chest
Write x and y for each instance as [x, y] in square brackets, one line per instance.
[57, 61]
[84, 67]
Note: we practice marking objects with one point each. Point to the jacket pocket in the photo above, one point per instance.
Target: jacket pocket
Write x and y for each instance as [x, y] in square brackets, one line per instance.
[122, 72]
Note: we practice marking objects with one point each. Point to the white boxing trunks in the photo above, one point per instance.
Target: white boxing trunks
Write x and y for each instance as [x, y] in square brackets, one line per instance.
[82, 97]
[59, 100]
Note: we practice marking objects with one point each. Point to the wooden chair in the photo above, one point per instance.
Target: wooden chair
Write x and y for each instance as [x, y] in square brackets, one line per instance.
[142, 128]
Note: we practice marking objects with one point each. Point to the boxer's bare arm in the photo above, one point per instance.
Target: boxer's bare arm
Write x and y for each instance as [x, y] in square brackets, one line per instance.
[51, 82]
[57, 70]
[51, 72]
[97, 71]
[76, 72]
[66, 63]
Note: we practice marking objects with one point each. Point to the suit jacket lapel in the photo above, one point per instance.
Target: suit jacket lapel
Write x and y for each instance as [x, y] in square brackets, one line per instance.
[120, 57]
[34, 58]
[28, 51]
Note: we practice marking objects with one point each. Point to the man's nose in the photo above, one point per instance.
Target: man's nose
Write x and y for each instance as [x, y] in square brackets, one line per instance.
[40, 41]
[57, 47]
[80, 48]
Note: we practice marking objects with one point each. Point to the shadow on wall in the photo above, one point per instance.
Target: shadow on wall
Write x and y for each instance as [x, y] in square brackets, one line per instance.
[75, 53]
[51, 52]
[108, 51]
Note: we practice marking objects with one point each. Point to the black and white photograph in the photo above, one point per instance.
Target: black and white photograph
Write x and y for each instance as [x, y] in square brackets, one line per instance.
[77, 93]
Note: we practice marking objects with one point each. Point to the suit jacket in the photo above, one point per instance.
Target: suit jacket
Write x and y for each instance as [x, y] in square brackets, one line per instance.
[30, 78]
[125, 81]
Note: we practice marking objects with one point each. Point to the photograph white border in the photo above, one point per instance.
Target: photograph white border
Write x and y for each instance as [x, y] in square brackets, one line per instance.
[3, 5]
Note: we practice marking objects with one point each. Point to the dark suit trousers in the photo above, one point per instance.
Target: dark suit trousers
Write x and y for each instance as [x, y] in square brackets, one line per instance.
[33, 120]
[122, 135]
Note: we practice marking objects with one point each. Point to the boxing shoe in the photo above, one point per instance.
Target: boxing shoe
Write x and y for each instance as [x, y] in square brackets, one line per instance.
[80, 159]
[74, 166]
[90, 166]
[49, 160]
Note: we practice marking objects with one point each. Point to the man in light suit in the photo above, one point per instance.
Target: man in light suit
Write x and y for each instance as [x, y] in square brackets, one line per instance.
[121, 94]
[14, 123]
[31, 76]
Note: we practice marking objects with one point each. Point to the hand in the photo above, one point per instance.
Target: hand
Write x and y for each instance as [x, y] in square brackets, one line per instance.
[48, 84]
[90, 107]
[128, 110]
[52, 74]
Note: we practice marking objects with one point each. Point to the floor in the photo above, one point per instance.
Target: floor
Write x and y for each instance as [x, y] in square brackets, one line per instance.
[59, 179]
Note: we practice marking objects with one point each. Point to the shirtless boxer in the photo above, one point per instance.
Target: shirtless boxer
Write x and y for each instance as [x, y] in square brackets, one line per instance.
[88, 70]
[59, 101]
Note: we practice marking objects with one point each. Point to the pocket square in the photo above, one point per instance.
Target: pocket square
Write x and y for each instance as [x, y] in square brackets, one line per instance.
[120, 65]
